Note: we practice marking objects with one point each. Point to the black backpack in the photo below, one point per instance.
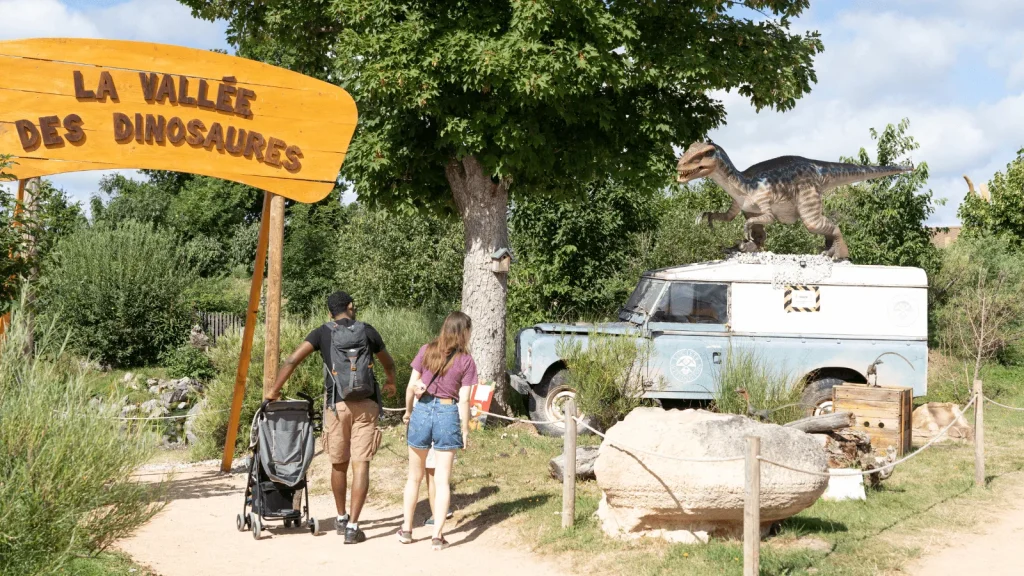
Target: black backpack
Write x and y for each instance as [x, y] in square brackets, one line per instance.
[351, 369]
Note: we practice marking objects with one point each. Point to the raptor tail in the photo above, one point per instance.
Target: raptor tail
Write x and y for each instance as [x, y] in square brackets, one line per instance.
[843, 174]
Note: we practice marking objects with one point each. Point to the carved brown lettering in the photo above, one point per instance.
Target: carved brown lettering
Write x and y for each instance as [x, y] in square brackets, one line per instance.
[215, 137]
[106, 88]
[139, 129]
[235, 145]
[293, 153]
[224, 94]
[80, 92]
[148, 82]
[166, 90]
[175, 130]
[274, 149]
[243, 98]
[123, 129]
[195, 133]
[73, 126]
[29, 135]
[155, 128]
[183, 98]
[254, 144]
[201, 99]
[48, 126]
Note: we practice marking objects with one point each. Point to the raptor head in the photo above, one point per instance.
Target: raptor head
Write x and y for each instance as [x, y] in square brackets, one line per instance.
[699, 160]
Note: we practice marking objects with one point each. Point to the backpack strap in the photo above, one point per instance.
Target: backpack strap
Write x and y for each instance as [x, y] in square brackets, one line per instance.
[443, 366]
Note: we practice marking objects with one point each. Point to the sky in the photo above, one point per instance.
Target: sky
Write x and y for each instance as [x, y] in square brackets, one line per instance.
[954, 68]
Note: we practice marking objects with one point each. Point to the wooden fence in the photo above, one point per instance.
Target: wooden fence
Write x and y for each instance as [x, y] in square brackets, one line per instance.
[216, 324]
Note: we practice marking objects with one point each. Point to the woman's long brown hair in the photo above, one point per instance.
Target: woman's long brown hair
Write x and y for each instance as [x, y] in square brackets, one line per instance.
[454, 337]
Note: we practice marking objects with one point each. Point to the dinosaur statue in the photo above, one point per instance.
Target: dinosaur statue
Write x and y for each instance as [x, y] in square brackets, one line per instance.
[783, 189]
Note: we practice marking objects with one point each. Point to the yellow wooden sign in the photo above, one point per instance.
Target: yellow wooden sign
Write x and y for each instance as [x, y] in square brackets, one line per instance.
[68, 105]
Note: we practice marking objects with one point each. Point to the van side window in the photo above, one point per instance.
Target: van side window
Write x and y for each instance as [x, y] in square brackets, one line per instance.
[694, 303]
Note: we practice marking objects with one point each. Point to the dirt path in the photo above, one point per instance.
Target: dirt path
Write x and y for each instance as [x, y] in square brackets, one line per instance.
[195, 534]
[993, 552]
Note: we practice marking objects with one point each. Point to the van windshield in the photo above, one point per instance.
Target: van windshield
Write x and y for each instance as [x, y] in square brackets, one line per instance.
[643, 298]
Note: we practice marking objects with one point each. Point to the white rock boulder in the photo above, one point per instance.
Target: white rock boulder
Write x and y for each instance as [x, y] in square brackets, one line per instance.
[931, 418]
[647, 495]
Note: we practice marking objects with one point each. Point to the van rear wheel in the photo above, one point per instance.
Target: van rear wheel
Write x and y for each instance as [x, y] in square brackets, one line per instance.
[547, 404]
[817, 396]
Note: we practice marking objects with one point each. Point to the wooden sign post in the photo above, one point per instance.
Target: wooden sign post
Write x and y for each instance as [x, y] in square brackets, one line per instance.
[70, 105]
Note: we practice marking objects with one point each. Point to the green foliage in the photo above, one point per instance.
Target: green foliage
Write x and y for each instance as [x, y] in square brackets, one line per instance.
[66, 464]
[981, 315]
[218, 294]
[312, 253]
[120, 292]
[573, 258]
[544, 93]
[607, 374]
[883, 220]
[1002, 216]
[205, 256]
[398, 258]
[187, 361]
[241, 247]
[769, 387]
[404, 332]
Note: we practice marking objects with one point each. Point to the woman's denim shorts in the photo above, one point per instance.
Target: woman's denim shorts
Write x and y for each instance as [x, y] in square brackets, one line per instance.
[436, 424]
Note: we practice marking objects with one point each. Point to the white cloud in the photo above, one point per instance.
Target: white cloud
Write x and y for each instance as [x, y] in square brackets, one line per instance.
[42, 19]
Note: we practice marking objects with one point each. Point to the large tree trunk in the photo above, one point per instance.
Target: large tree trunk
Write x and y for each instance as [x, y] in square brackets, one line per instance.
[483, 205]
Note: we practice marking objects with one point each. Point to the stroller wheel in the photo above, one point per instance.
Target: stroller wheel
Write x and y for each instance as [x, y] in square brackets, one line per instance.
[314, 526]
[257, 528]
[240, 523]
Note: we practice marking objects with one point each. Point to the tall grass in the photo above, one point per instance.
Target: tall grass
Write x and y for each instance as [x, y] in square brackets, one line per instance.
[65, 463]
[770, 387]
[607, 374]
[402, 330]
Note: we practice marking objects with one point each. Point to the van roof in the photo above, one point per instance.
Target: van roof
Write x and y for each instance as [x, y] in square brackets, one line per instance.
[773, 268]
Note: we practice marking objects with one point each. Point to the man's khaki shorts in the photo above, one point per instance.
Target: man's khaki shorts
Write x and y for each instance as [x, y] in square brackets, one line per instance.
[348, 435]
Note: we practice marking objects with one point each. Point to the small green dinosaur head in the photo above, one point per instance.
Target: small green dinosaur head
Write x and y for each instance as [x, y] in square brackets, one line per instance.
[699, 160]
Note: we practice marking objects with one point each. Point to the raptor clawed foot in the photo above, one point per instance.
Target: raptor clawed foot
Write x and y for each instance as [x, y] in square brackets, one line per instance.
[704, 218]
[749, 246]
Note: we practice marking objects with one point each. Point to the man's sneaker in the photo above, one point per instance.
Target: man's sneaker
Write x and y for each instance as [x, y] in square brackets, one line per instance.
[354, 536]
[340, 524]
[430, 521]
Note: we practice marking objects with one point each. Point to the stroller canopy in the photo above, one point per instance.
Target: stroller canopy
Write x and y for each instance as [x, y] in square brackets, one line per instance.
[284, 433]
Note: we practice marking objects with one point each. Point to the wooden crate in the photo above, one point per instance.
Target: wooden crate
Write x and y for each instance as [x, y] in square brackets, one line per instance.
[883, 412]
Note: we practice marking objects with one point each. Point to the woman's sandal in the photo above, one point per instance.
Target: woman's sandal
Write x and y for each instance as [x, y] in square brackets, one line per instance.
[438, 543]
[404, 537]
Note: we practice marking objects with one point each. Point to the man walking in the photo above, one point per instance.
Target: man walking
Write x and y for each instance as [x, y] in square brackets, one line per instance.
[352, 401]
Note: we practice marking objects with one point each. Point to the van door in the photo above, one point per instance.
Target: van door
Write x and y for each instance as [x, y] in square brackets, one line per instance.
[690, 332]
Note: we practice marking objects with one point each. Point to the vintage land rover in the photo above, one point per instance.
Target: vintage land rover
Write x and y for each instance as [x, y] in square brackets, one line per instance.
[823, 323]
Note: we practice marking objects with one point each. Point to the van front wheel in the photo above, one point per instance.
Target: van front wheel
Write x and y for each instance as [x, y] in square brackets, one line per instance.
[817, 396]
[547, 404]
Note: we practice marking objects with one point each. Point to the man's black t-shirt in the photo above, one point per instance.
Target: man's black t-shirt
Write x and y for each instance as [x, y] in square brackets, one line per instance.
[320, 339]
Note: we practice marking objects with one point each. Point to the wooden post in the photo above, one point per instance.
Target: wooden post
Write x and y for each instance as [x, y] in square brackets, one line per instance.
[569, 471]
[752, 509]
[979, 435]
[275, 247]
[250, 326]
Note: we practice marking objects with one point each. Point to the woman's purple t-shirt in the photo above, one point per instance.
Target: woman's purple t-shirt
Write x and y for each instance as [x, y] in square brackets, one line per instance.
[461, 372]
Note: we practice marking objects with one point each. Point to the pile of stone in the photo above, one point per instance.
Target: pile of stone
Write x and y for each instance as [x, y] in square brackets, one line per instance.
[167, 396]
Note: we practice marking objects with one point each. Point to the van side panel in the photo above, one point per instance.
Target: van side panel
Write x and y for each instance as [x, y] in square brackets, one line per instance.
[865, 311]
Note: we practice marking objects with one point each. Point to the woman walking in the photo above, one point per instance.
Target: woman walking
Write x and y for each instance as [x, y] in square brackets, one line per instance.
[437, 412]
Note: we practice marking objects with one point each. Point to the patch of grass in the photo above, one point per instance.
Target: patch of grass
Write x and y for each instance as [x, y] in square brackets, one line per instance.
[108, 564]
[768, 387]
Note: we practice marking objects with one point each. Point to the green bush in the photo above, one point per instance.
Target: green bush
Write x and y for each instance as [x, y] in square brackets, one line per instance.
[120, 291]
[223, 294]
[769, 387]
[608, 374]
[403, 331]
[65, 464]
[206, 256]
[187, 361]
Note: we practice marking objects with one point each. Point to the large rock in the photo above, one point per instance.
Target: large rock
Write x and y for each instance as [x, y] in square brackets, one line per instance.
[585, 458]
[929, 419]
[190, 422]
[647, 495]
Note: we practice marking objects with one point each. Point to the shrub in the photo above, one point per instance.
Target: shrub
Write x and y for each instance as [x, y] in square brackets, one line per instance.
[65, 464]
[224, 294]
[187, 361]
[120, 290]
[206, 256]
[769, 387]
[403, 331]
[608, 374]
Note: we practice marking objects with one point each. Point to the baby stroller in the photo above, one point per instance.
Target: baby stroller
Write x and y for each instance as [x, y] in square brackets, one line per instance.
[281, 441]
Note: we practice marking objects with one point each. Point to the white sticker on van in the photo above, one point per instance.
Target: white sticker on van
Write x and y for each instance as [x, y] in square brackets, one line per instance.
[686, 366]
